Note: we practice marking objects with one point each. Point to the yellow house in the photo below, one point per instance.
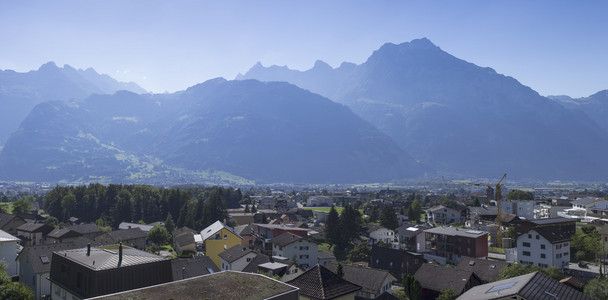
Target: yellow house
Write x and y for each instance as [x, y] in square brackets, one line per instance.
[218, 237]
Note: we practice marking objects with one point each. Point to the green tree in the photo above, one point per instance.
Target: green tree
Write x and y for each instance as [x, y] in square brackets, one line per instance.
[361, 252]
[447, 294]
[411, 287]
[340, 270]
[597, 289]
[333, 226]
[22, 206]
[388, 217]
[374, 214]
[417, 210]
[520, 269]
[519, 195]
[352, 223]
[13, 290]
[159, 235]
[169, 224]
[50, 220]
[247, 210]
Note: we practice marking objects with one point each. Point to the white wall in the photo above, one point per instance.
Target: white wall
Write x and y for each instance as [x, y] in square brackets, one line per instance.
[383, 234]
[8, 253]
[520, 208]
[306, 252]
[556, 255]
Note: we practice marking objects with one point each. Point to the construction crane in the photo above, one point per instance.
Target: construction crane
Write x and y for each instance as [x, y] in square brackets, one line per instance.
[498, 188]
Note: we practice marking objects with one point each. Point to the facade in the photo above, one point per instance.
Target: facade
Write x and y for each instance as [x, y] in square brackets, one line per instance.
[236, 258]
[217, 238]
[317, 201]
[443, 215]
[33, 233]
[8, 252]
[96, 271]
[9, 223]
[380, 234]
[544, 247]
[521, 208]
[289, 245]
[411, 237]
[446, 245]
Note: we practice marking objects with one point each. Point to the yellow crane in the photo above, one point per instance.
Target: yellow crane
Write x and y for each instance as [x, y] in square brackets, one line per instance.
[498, 188]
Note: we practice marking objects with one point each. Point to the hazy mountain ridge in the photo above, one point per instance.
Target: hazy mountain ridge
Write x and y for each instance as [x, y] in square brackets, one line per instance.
[269, 132]
[465, 119]
[20, 92]
[595, 106]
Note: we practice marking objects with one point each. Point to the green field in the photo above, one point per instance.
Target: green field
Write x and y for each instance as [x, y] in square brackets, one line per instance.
[7, 207]
[327, 209]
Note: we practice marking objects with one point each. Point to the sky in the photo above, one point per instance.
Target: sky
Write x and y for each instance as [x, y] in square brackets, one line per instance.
[555, 47]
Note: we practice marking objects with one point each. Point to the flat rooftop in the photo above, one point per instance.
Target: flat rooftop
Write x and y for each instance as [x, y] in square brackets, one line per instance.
[457, 232]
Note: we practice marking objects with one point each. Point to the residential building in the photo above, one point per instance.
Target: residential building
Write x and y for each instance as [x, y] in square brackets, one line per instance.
[378, 234]
[411, 237]
[319, 283]
[446, 245]
[600, 210]
[318, 201]
[521, 208]
[324, 257]
[35, 264]
[529, 286]
[269, 231]
[433, 279]
[373, 282]
[487, 270]
[218, 237]
[222, 285]
[236, 258]
[247, 233]
[184, 268]
[8, 252]
[9, 223]
[397, 262]
[133, 237]
[87, 230]
[185, 243]
[561, 201]
[289, 245]
[586, 202]
[33, 234]
[61, 235]
[96, 271]
[544, 247]
[443, 215]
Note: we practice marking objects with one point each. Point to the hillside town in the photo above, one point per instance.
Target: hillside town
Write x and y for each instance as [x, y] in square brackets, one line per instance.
[322, 244]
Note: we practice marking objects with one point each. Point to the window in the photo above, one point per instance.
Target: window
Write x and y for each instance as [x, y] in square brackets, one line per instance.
[529, 236]
[526, 253]
[303, 256]
[537, 237]
[558, 246]
[225, 236]
[304, 248]
[526, 244]
[248, 259]
[542, 246]
[542, 255]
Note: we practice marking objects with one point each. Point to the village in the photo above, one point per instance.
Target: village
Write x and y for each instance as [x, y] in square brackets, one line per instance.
[382, 244]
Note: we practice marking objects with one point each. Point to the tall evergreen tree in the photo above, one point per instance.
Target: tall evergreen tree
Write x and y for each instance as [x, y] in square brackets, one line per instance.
[411, 287]
[388, 217]
[169, 224]
[352, 223]
[333, 226]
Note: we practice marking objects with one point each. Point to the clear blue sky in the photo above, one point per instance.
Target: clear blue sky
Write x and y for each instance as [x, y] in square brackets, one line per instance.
[555, 47]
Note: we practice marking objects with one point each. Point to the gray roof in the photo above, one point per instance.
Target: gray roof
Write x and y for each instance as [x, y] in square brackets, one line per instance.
[127, 225]
[456, 232]
[252, 267]
[438, 278]
[182, 230]
[552, 235]
[586, 201]
[85, 228]
[552, 221]
[486, 270]
[62, 233]
[7, 237]
[35, 227]
[369, 279]
[484, 210]
[107, 257]
[319, 282]
[215, 227]
[530, 286]
[410, 230]
[40, 257]
[6, 218]
[234, 253]
[127, 234]
[244, 229]
[191, 267]
[184, 239]
[285, 239]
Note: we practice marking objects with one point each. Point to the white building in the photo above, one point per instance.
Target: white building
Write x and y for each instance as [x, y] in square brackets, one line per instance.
[289, 245]
[521, 208]
[315, 201]
[236, 258]
[378, 233]
[8, 252]
[544, 247]
[443, 215]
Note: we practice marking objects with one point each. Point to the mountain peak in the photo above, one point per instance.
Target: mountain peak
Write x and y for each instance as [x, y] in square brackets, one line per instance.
[48, 66]
[319, 64]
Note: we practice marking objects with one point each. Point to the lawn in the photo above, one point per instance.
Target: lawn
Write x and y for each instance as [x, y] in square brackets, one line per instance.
[7, 207]
[327, 209]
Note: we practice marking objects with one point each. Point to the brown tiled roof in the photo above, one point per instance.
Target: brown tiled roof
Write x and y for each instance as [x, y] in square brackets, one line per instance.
[319, 282]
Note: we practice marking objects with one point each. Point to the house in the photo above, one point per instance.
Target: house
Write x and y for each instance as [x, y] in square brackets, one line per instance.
[534, 285]
[586, 202]
[561, 201]
[87, 230]
[236, 258]
[397, 262]
[61, 235]
[486, 270]
[318, 201]
[269, 231]
[443, 215]
[33, 233]
[96, 271]
[433, 279]
[446, 245]
[411, 237]
[320, 215]
[279, 266]
[185, 243]
[324, 257]
[544, 246]
[218, 237]
[378, 234]
[373, 282]
[319, 283]
[290, 245]
[35, 264]
[8, 252]
[183, 230]
[242, 218]
[521, 208]
[143, 227]
[133, 237]
[247, 233]
[222, 285]
[184, 268]
[9, 223]
[600, 210]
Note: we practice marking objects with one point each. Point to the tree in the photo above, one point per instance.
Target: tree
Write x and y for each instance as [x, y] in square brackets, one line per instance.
[388, 218]
[50, 220]
[374, 214]
[352, 223]
[22, 206]
[169, 224]
[519, 195]
[520, 269]
[361, 252]
[597, 289]
[332, 226]
[159, 235]
[417, 207]
[13, 290]
[247, 208]
[411, 287]
[447, 294]
[340, 270]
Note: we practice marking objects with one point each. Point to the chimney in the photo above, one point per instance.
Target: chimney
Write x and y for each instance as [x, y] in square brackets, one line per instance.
[88, 249]
[119, 253]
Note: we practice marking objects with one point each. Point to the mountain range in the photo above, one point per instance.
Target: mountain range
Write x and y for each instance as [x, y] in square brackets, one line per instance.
[409, 111]
[20, 92]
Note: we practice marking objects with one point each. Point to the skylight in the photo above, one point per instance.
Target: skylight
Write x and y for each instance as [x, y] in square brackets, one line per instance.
[44, 259]
[501, 287]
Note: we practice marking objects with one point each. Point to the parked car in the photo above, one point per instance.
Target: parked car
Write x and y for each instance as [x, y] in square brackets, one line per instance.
[583, 265]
